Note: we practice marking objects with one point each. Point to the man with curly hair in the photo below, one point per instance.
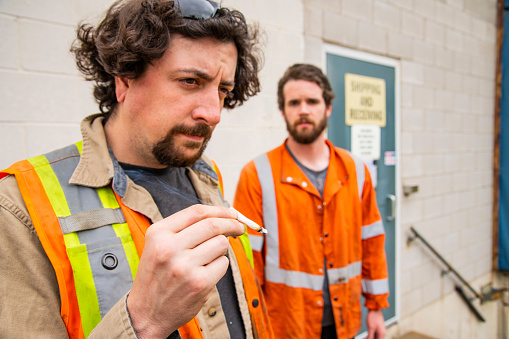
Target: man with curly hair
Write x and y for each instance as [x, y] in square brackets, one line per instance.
[125, 233]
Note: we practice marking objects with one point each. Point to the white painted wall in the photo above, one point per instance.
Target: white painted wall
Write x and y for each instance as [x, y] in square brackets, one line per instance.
[446, 50]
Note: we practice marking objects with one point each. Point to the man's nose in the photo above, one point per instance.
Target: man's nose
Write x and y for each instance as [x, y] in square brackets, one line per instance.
[209, 107]
[304, 108]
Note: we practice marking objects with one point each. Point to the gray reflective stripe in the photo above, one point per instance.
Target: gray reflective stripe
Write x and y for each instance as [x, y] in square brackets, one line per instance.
[256, 242]
[91, 219]
[93, 225]
[294, 278]
[110, 285]
[373, 230]
[361, 175]
[375, 287]
[79, 198]
[270, 222]
[343, 274]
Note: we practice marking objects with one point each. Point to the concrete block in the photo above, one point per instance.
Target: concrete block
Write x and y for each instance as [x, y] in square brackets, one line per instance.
[404, 4]
[462, 22]
[452, 122]
[412, 73]
[433, 207]
[32, 97]
[412, 166]
[361, 10]
[444, 58]
[454, 40]
[412, 119]
[461, 102]
[424, 97]
[407, 95]
[453, 81]
[45, 47]
[340, 29]
[400, 46]
[445, 14]
[387, 16]
[411, 301]
[373, 39]
[452, 163]
[444, 100]
[425, 9]
[433, 164]
[9, 56]
[57, 11]
[434, 32]
[313, 19]
[14, 135]
[285, 14]
[452, 203]
[434, 78]
[412, 25]
[42, 138]
[470, 87]
[423, 52]
[434, 120]
[442, 184]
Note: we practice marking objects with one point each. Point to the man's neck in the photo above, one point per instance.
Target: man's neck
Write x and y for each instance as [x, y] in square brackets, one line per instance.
[314, 156]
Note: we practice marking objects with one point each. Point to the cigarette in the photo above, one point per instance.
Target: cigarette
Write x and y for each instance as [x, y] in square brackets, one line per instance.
[250, 223]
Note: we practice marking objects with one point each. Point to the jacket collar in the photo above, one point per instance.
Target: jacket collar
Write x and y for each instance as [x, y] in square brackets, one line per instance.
[337, 175]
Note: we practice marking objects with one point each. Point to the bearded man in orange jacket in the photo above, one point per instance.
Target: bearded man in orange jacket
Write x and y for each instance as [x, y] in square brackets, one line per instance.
[325, 241]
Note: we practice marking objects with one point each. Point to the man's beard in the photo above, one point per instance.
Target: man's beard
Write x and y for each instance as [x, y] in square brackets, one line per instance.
[310, 134]
[168, 153]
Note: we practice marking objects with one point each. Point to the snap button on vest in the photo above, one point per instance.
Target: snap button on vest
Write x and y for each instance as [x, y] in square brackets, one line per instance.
[255, 302]
[109, 261]
[212, 311]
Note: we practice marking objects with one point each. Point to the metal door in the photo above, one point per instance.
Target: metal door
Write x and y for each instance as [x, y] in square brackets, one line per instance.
[342, 65]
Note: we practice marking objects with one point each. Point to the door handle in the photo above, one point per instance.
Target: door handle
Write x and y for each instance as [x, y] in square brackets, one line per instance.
[392, 205]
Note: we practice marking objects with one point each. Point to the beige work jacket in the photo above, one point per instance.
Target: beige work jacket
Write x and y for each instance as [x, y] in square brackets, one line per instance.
[29, 293]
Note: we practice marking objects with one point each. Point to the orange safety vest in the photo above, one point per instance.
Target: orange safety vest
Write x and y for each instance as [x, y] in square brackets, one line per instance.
[42, 196]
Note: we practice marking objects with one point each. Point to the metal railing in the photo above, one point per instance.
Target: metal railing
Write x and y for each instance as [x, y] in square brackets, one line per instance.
[450, 269]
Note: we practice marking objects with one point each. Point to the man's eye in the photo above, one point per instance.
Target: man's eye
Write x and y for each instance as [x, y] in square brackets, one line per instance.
[189, 81]
[226, 92]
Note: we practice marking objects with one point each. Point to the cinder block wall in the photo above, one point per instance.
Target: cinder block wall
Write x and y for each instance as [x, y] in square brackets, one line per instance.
[446, 53]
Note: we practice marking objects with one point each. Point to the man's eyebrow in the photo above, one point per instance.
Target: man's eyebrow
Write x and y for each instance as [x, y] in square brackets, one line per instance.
[204, 76]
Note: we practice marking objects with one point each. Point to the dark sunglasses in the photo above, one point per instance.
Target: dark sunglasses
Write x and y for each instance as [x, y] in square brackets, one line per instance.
[198, 9]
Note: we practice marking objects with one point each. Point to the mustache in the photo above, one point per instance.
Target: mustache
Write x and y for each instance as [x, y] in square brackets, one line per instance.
[198, 130]
[303, 119]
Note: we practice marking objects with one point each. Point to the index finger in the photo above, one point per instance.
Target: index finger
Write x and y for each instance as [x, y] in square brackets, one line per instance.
[193, 214]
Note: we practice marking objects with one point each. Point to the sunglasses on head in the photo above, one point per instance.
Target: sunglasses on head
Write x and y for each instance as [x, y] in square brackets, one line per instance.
[198, 9]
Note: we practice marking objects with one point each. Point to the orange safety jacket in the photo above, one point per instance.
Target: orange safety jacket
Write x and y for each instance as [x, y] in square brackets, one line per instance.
[344, 228]
[67, 233]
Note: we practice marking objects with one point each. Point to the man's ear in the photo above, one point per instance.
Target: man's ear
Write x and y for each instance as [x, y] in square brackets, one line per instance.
[121, 87]
[328, 111]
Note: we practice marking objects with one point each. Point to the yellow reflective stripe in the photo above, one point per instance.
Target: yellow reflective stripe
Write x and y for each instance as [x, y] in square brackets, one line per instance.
[51, 185]
[246, 245]
[79, 145]
[107, 197]
[124, 233]
[71, 240]
[85, 288]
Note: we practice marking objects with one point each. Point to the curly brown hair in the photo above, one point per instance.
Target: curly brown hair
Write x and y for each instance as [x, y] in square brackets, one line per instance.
[135, 33]
[309, 73]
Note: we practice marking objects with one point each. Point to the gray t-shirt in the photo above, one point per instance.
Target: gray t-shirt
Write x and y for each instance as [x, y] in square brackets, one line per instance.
[317, 178]
[173, 191]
